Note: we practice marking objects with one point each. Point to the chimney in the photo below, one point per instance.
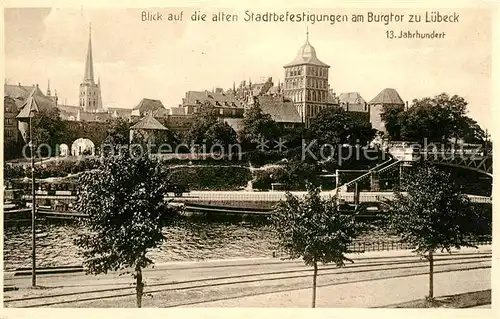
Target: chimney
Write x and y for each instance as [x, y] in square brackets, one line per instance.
[19, 83]
[37, 85]
[406, 104]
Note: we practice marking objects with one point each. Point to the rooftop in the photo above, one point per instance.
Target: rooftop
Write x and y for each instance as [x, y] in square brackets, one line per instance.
[307, 55]
[280, 111]
[351, 98]
[148, 123]
[149, 105]
[213, 98]
[388, 96]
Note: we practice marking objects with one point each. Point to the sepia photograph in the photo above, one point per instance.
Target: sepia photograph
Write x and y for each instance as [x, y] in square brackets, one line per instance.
[248, 157]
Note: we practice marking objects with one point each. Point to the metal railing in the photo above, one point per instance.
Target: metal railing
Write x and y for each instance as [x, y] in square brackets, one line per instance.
[367, 175]
[367, 246]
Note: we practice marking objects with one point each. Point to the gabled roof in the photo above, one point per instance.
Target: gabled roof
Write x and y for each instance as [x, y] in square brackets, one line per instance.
[35, 102]
[20, 93]
[148, 123]
[388, 96]
[149, 105]
[351, 98]
[29, 107]
[280, 111]
[212, 98]
[161, 113]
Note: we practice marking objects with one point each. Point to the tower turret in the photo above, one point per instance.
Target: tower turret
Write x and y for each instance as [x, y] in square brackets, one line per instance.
[90, 92]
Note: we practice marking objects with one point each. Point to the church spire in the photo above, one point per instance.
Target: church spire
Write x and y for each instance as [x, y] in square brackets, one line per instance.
[89, 65]
[48, 87]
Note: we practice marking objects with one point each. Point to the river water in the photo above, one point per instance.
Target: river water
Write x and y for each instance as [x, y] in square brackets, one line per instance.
[186, 239]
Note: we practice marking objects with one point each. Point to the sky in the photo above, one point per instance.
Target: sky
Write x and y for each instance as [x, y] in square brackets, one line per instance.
[163, 60]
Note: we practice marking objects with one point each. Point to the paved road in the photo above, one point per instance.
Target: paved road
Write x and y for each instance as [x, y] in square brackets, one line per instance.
[263, 282]
[367, 294]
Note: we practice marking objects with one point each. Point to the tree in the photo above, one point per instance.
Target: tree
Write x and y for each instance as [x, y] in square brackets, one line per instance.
[393, 118]
[48, 128]
[335, 126]
[220, 133]
[258, 126]
[203, 120]
[124, 201]
[433, 215]
[117, 132]
[314, 229]
[437, 119]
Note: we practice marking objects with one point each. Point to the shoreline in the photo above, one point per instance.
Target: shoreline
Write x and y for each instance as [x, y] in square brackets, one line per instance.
[256, 261]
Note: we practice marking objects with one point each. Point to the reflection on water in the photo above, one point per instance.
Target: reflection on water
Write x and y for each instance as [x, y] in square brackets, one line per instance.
[186, 239]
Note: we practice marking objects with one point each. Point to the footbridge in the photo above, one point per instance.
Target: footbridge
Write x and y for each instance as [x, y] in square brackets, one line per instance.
[471, 157]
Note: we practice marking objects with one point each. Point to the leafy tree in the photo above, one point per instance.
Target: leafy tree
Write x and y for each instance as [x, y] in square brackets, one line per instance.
[428, 118]
[314, 229]
[431, 213]
[124, 201]
[118, 132]
[437, 119]
[220, 133]
[14, 149]
[48, 128]
[258, 126]
[205, 118]
[393, 118]
[473, 133]
[335, 126]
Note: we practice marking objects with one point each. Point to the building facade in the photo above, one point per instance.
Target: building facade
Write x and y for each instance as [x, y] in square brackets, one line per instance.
[306, 83]
[11, 132]
[226, 104]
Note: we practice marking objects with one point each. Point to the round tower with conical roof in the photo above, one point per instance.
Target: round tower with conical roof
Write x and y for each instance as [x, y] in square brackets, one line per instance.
[386, 98]
[306, 82]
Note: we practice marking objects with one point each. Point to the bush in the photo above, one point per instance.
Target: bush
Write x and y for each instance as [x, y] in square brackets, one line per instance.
[295, 175]
[210, 178]
[12, 172]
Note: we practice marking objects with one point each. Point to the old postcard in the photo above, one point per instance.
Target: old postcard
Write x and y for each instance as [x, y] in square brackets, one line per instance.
[248, 156]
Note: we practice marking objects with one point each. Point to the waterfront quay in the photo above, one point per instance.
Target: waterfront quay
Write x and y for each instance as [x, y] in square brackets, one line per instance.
[375, 279]
[248, 199]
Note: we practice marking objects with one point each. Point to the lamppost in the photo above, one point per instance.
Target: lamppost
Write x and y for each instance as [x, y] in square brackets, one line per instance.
[25, 126]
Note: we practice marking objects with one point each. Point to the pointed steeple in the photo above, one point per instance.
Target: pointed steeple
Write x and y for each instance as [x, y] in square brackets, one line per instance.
[29, 107]
[48, 87]
[89, 65]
